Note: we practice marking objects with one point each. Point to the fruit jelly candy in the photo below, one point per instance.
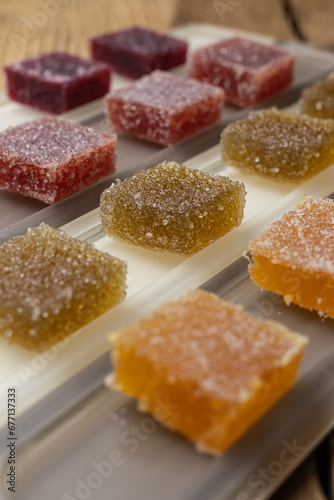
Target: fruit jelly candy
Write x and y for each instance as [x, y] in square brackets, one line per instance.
[172, 208]
[136, 51]
[49, 159]
[318, 100]
[294, 256]
[164, 108]
[216, 366]
[52, 284]
[279, 144]
[56, 82]
[248, 71]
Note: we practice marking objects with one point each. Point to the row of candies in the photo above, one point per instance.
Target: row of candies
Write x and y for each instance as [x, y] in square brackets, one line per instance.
[206, 355]
[160, 107]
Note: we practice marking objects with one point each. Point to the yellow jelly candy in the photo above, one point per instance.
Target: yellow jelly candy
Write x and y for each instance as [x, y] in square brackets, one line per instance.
[279, 145]
[172, 208]
[52, 284]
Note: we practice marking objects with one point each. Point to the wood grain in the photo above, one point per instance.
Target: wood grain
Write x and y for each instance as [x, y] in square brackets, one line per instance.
[33, 27]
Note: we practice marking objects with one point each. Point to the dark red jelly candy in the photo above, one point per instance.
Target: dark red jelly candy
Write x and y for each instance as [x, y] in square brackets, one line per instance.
[248, 71]
[49, 159]
[164, 108]
[57, 82]
[137, 51]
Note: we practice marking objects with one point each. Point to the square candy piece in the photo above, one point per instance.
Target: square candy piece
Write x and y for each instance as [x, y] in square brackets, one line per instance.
[248, 71]
[57, 82]
[137, 51]
[172, 208]
[318, 99]
[279, 145]
[164, 108]
[294, 257]
[214, 367]
[49, 159]
[51, 285]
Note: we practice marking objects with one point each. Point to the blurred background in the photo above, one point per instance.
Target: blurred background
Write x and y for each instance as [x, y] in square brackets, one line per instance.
[31, 27]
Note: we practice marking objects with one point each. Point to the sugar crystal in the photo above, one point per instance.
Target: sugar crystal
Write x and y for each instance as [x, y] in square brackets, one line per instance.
[218, 367]
[318, 100]
[44, 296]
[294, 256]
[137, 51]
[49, 159]
[172, 208]
[279, 144]
[164, 108]
[56, 82]
[248, 71]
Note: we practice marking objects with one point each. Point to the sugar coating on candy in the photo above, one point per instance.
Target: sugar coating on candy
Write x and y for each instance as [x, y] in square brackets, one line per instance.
[49, 159]
[56, 82]
[171, 208]
[294, 256]
[248, 71]
[279, 144]
[318, 100]
[215, 367]
[137, 51]
[52, 284]
[164, 108]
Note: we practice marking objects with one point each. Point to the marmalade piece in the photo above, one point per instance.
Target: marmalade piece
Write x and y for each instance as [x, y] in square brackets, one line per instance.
[172, 208]
[137, 51]
[164, 108]
[279, 144]
[56, 82]
[248, 71]
[52, 284]
[294, 257]
[206, 368]
[50, 159]
[318, 100]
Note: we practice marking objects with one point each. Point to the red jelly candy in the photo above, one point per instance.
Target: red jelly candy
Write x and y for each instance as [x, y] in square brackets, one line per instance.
[248, 71]
[164, 108]
[49, 159]
[136, 51]
[57, 82]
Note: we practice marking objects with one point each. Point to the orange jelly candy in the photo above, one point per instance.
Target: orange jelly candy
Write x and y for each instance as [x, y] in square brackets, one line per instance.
[206, 368]
[294, 256]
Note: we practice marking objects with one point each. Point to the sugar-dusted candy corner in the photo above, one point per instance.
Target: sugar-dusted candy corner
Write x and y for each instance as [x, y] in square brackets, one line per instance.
[137, 51]
[172, 208]
[318, 99]
[57, 82]
[218, 367]
[164, 108]
[49, 159]
[52, 284]
[248, 71]
[279, 145]
[294, 256]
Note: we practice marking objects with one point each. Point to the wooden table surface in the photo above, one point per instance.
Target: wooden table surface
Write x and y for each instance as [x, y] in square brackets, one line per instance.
[31, 27]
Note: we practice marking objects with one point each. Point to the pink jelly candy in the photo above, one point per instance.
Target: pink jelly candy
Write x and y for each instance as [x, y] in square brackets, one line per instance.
[137, 51]
[164, 108]
[49, 159]
[57, 82]
[248, 71]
